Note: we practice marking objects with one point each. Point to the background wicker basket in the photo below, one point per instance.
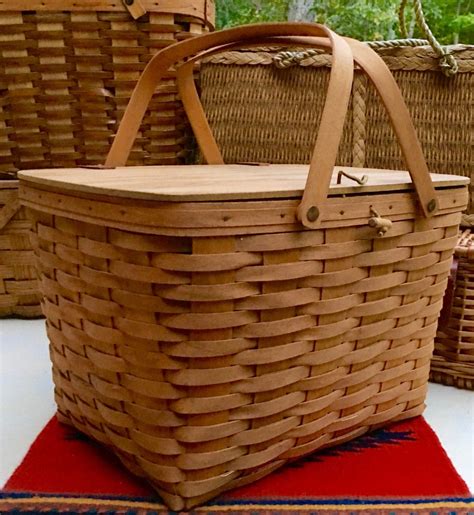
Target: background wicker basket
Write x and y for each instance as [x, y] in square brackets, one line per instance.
[67, 69]
[19, 293]
[453, 362]
[275, 121]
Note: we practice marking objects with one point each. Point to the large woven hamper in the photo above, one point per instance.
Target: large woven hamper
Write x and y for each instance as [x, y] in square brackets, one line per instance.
[453, 361]
[273, 123]
[19, 294]
[67, 70]
[211, 323]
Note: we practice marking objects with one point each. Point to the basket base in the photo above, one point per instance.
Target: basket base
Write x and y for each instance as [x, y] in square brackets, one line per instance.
[22, 312]
[452, 379]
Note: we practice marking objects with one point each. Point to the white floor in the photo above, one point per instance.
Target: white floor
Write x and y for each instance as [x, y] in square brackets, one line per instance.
[26, 401]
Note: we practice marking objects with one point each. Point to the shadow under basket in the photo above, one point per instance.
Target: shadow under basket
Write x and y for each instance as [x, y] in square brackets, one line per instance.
[19, 294]
[453, 360]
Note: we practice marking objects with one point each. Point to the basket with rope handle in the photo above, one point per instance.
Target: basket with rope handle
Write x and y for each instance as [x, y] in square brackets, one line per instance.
[272, 123]
[211, 322]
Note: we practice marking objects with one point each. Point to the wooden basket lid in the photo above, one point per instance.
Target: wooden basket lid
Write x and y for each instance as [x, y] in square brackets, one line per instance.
[221, 182]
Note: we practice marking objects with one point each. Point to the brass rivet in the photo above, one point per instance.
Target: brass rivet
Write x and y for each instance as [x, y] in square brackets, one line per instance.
[431, 205]
[313, 214]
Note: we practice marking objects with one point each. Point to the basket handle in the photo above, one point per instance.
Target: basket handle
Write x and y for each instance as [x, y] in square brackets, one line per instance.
[370, 62]
[192, 103]
[333, 116]
[332, 121]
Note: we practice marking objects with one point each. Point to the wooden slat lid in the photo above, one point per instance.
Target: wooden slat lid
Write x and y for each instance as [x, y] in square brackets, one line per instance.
[220, 182]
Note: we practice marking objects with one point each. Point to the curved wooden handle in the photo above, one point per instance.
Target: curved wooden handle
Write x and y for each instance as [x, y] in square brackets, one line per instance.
[333, 116]
[377, 71]
[332, 120]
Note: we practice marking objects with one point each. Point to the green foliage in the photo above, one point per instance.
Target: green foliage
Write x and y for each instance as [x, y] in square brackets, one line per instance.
[241, 12]
[451, 21]
[361, 19]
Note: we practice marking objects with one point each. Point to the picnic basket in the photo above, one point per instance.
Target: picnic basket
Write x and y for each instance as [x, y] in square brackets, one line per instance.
[67, 70]
[211, 322]
[453, 359]
[19, 294]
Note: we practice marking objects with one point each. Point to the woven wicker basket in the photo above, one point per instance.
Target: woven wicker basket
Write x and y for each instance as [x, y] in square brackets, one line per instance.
[19, 293]
[274, 122]
[453, 361]
[210, 323]
[67, 70]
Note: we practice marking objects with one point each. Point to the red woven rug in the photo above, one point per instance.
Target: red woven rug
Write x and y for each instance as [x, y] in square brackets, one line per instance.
[397, 470]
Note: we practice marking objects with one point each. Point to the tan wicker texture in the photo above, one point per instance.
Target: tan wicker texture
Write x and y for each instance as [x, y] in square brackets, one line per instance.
[264, 114]
[67, 70]
[19, 295]
[453, 360]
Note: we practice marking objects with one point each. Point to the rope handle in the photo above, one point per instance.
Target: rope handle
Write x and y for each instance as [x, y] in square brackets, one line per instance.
[448, 64]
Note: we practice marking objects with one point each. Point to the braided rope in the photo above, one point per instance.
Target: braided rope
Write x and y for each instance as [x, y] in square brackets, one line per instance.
[242, 58]
[448, 63]
[395, 43]
[406, 58]
[286, 59]
[359, 120]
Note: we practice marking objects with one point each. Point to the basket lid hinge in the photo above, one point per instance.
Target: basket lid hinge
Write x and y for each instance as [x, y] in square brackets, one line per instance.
[135, 8]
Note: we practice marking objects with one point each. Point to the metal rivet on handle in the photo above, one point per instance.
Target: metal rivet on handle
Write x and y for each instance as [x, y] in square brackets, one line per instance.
[431, 205]
[312, 214]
